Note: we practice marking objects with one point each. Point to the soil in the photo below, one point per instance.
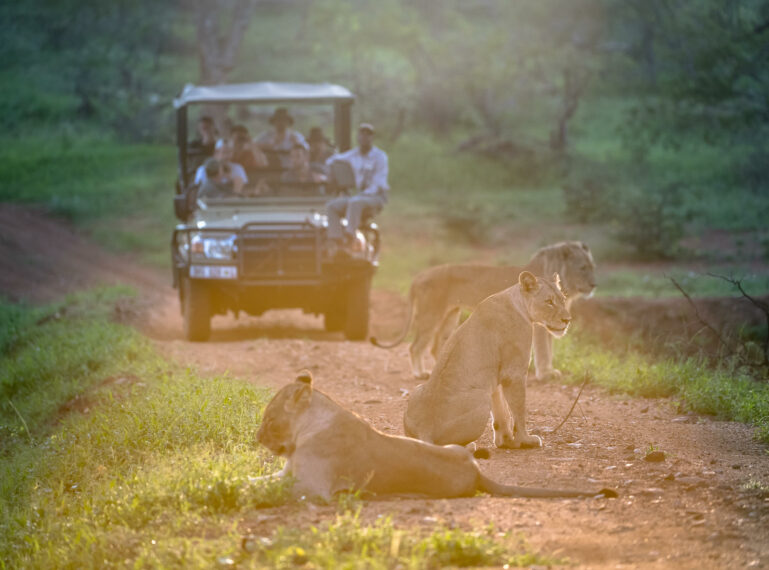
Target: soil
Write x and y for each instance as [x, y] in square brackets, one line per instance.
[697, 508]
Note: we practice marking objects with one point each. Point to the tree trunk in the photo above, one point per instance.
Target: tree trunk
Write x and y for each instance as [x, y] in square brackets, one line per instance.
[221, 25]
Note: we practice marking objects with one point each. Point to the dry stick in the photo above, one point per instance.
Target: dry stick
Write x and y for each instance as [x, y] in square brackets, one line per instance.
[759, 304]
[26, 427]
[699, 317]
[584, 383]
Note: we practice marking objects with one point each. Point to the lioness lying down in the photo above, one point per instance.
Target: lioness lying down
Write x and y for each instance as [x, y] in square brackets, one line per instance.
[437, 295]
[329, 449]
[483, 369]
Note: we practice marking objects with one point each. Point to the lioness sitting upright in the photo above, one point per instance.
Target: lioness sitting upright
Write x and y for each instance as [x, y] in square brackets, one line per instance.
[437, 295]
[483, 368]
[329, 449]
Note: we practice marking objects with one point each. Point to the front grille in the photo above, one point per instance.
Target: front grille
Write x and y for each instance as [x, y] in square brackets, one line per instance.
[280, 254]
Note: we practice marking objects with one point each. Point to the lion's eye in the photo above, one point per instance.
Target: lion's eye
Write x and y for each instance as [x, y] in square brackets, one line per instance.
[550, 302]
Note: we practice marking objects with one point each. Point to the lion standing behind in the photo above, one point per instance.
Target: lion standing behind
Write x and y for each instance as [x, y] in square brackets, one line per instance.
[438, 294]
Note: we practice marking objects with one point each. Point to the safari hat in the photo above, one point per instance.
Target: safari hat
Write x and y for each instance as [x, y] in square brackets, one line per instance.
[281, 114]
[366, 127]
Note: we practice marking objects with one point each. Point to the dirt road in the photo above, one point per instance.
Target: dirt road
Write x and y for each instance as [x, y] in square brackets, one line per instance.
[698, 508]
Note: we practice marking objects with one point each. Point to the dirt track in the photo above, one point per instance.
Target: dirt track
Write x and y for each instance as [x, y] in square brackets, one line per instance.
[689, 511]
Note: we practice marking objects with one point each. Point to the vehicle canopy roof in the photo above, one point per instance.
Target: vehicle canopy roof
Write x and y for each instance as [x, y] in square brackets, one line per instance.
[263, 92]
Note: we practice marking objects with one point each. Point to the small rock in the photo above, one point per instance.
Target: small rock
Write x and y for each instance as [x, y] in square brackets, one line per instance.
[655, 456]
[681, 420]
[644, 410]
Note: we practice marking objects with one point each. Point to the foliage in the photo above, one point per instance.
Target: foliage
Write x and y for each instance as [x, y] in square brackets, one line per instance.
[136, 462]
[651, 219]
[728, 392]
[346, 542]
[90, 60]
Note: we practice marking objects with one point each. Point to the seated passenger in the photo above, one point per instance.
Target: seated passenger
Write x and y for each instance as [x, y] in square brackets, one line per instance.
[320, 150]
[370, 167]
[206, 141]
[244, 151]
[300, 170]
[215, 185]
[281, 138]
[232, 171]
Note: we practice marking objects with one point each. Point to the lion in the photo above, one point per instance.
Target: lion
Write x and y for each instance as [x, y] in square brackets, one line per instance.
[329, 450]
[483, 368]
[438, 294]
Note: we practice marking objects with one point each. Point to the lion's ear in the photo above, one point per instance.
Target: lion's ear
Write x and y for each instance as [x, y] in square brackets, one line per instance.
[305, 377]
[528, 282]
[300, 398]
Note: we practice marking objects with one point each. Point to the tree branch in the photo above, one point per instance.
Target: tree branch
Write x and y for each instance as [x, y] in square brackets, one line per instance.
[699, 316]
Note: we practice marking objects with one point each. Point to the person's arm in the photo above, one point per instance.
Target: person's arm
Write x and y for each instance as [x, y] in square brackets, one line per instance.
[200, 175]
[379, 176]
[239, 178]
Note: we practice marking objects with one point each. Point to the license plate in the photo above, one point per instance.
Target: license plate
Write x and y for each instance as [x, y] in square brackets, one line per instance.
[214, 271]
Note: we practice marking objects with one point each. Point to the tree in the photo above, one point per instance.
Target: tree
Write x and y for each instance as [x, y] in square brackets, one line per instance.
[220, 25]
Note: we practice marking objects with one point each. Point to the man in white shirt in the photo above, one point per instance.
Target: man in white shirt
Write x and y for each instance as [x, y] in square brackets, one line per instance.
[232, 172]
[369, 165]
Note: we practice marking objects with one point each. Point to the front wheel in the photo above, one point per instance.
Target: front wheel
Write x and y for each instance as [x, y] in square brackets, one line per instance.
[356, 324]
[196, 308]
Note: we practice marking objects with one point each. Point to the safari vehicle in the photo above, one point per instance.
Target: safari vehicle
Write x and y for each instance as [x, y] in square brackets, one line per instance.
[268, 249]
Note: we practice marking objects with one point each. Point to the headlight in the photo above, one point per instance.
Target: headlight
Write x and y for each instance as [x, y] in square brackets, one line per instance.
[183, 245]
[358, 245]
[213, 246]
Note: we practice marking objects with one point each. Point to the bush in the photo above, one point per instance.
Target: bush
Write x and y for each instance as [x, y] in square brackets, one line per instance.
[651, 220]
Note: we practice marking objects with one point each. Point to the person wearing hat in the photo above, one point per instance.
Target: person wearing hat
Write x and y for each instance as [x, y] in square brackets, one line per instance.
[281, 137]
[369, 164]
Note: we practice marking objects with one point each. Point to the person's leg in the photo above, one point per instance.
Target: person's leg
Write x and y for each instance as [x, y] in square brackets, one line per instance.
[336, 209]
[357, 206]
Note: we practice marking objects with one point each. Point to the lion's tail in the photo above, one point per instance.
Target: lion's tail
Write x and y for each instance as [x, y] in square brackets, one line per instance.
[493, 488]
[405, 331]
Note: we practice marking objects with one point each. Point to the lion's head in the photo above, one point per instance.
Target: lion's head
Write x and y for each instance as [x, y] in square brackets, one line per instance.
[545, 302]
[574, 263]
[278, 430]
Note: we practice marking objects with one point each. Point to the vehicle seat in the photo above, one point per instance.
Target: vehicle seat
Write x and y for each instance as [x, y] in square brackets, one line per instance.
[341, 176]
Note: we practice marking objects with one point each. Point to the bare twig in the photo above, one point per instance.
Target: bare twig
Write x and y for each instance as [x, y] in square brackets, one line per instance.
[756, 303]
[584, 383]
[26, 427]
[699, 316]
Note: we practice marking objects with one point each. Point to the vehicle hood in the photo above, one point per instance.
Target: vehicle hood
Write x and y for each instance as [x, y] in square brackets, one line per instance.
[236, 218]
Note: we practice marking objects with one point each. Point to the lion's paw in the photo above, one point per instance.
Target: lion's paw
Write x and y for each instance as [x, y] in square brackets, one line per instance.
[530, 442]
[550, 375]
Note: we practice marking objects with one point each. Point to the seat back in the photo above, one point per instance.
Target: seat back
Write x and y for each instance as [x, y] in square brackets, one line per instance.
[341, 175]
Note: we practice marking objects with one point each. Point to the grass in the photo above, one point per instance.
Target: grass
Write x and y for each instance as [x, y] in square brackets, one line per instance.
[121, 194]
[112, 457]
[728, 391]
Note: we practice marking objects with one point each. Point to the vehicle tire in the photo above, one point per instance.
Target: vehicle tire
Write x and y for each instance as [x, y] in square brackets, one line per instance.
[356, 323]
[197, 310]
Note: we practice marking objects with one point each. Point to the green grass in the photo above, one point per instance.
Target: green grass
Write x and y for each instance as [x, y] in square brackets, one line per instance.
[121, 194]
[729, 391]
[112, 457]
